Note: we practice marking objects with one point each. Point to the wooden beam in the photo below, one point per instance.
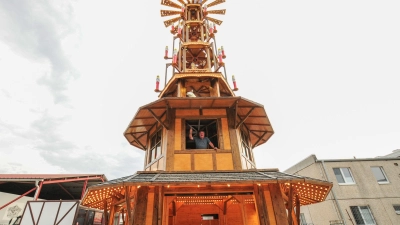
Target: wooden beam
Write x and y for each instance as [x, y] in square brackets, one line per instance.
[158, 119]
[139, 143]
[223, 189]
[255, 144]
[245, 117]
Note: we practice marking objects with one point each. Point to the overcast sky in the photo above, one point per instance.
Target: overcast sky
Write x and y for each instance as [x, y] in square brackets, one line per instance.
[73, 74]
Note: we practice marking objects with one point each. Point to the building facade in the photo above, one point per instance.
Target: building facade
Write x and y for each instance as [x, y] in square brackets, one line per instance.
[365, 191]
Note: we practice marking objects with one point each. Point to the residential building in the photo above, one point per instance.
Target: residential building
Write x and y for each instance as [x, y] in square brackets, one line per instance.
[365, 191]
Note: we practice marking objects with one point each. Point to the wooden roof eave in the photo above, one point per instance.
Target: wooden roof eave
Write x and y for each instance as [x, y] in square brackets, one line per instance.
[177, 76]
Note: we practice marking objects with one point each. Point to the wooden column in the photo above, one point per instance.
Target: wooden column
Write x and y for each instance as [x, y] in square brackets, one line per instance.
[261, 206]
[170, 140]
[112, 214]
[139, 215]
[157, 206]
[278, 204]
[297, 209]
[237, 164]
[208, 58]
[105, 212]
[150, 206]
[290, 205]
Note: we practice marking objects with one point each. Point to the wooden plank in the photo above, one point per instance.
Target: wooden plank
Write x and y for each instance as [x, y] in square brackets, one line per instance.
[105, 212]
[112, 214]
[170, 148]
[187, 112]
[278, 204]
[214, 112]
[260, 204]
[128, 205]
[214, 160]
[178, 134]
[160, 207]
[212, 189]
[139, 217]
[237, 164]
[150, 207]
[269, 205]
[225, 133]
[290, 205]
[297, 209]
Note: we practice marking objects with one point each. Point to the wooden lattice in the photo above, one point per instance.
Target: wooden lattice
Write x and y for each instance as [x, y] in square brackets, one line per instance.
[214, 20]
[169, 22]
[170, 4]
[221, 11]
[169, 12]
[214, 3]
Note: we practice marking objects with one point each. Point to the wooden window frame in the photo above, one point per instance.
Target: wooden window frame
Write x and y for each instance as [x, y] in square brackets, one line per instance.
[212, 135]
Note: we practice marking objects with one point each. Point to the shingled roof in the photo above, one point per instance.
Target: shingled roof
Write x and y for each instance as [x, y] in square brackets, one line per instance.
[310, 190]
[201, 177]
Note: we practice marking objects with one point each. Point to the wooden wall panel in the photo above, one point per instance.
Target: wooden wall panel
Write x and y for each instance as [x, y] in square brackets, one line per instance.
[225, 134]
[178, 134]
[191, 214]
[251, 214]
[224, 161]
[203, 162]
[234, 215]
[187, 112]
[182, 162]
[214, 112]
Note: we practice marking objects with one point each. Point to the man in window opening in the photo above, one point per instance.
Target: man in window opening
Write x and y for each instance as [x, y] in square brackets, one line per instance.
[201, 141]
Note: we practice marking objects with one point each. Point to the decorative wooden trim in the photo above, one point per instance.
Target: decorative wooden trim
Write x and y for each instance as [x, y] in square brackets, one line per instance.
[158, 119]
[214, 160]
[245, 117]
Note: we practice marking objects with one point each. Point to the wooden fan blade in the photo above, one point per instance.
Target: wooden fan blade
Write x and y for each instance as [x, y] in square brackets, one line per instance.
[169, 22]
[169, 13]
[181, 1]
[221, 12]
[170, 4]
[216, 2]
[214, 20]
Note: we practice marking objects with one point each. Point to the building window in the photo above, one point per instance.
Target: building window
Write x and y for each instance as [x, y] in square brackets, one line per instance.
[246, 150]
[397, 209]
[210, 128]
[155, 146]
[302, 219]
[362, 215]
[343, 175]
[379, 174]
